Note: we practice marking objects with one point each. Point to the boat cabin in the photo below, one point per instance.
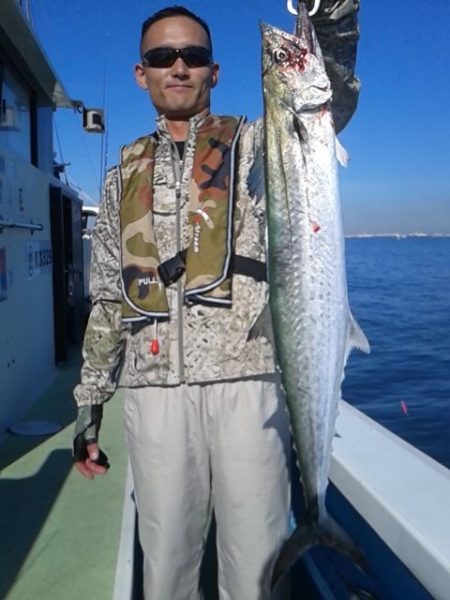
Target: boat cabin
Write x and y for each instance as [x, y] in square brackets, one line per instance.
[41, 250]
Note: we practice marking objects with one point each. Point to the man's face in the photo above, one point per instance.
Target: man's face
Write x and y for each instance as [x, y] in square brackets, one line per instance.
[178, 92]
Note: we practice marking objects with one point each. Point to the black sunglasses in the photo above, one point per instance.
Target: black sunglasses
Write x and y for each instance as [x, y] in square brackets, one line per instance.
[164, 57]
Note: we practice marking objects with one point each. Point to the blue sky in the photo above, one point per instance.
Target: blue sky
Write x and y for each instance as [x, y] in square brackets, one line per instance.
[398, 140]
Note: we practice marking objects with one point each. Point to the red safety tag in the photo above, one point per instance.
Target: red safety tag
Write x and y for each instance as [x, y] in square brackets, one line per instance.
[154, 347]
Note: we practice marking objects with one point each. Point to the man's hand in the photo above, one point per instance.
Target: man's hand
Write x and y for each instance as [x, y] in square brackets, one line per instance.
[88, 457]
[95, 464]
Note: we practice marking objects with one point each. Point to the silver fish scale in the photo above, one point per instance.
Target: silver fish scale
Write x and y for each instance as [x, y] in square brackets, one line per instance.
[312, 324]
[308, 299]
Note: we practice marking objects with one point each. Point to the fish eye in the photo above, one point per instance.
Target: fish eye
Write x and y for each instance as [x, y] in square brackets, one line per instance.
[280, 55]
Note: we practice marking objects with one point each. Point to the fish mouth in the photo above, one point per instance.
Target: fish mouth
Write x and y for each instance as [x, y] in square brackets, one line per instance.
[270, 30]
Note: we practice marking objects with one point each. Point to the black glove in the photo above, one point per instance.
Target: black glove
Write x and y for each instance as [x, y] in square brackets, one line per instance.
[87, 427]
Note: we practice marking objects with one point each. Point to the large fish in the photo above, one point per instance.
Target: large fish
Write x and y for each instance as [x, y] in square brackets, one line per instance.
[313, 327]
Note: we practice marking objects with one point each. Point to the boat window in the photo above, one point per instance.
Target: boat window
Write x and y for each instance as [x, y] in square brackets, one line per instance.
[15, 120]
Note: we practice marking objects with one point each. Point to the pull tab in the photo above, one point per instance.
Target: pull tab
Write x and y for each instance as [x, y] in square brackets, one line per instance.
[154, 346]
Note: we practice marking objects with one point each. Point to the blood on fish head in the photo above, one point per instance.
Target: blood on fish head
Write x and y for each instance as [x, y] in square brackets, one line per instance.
[292, 74]
[282, 52]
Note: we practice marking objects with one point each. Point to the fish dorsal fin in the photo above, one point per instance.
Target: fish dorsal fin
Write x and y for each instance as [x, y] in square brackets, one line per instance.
[356, 338]
[342, 155]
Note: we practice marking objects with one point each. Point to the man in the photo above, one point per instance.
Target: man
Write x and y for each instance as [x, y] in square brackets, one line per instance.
[177, 282]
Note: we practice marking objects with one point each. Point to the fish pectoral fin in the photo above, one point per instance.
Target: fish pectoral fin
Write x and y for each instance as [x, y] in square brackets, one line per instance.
[356, 337]
[299, 128]
[263, 326]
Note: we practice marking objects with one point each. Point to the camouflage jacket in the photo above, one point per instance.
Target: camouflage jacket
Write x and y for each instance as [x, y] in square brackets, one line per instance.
[199, 343]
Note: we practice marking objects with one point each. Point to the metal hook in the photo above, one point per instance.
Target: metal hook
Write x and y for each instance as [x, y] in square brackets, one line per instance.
[293, 11]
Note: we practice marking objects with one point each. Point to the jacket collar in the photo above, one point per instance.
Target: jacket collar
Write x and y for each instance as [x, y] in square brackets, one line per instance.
[195, 122]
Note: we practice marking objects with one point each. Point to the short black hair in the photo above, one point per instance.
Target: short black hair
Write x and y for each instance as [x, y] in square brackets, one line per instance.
[174, 11]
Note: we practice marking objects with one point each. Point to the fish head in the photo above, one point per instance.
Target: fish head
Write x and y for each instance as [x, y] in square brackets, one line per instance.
[293, 70]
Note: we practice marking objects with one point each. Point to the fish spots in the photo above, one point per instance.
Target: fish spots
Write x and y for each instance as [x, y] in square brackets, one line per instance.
[315, 227]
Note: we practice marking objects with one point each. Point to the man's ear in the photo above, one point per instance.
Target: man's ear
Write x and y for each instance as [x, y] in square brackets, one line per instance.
[214, 75]
[139, 75]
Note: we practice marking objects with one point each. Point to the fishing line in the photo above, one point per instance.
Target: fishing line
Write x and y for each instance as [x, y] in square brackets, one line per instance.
[60, 149]
[104, 141]
[91, 162]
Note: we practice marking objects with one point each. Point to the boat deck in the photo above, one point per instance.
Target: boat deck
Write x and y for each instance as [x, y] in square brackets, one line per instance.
[60, 532]
[65, 537]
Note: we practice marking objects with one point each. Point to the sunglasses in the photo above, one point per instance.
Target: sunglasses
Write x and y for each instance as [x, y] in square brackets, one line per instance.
[164, 57]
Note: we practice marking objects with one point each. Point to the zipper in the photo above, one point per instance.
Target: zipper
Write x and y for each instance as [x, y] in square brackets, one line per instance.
[178, 169]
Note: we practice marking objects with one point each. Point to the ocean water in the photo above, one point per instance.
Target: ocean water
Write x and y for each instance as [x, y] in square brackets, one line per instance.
[399, 292]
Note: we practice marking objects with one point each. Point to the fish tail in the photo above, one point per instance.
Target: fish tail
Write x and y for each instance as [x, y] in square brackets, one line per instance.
[327, 533]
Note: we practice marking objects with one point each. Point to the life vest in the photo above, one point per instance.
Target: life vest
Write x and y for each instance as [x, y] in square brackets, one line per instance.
[209, 256]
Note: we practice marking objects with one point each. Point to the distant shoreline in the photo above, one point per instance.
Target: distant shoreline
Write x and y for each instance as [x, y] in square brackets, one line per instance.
[397, 236]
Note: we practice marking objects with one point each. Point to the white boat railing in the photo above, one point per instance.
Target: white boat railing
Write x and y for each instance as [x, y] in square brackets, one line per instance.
[400, 492]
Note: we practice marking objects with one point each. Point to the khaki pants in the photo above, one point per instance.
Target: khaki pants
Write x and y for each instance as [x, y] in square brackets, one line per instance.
[222, 446]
